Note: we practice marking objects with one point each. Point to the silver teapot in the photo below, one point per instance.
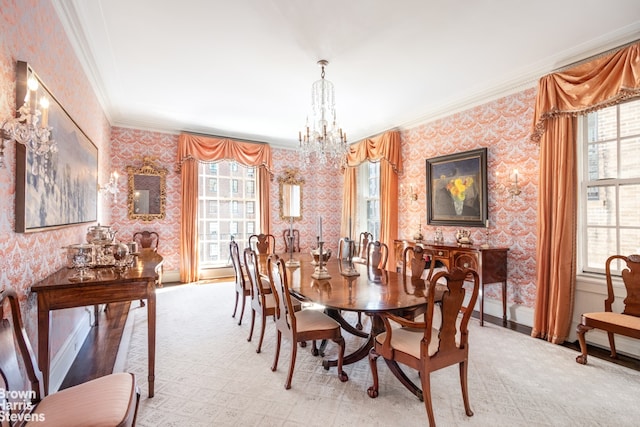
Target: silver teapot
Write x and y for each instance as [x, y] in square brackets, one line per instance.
[463, 237]
[100, 234]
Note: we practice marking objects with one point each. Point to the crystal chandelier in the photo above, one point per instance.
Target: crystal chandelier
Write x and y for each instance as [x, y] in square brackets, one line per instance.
[28, 129]
[321, 137]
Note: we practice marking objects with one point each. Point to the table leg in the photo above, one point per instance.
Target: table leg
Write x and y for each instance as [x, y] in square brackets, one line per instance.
[151, 333]
[376, 327]
[43, 341]
[504, 303]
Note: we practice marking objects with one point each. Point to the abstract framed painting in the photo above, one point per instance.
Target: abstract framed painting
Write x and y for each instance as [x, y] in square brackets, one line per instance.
[457, 189]
[58, 189]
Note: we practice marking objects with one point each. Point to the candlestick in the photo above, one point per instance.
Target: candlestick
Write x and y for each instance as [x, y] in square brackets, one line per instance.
[349, 228]
[320, 233]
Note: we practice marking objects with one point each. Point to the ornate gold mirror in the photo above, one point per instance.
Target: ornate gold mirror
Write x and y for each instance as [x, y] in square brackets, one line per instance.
[147, 191]
[290, 195]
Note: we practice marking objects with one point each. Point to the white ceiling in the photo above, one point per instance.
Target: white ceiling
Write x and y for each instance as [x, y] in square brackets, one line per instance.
[244, 68]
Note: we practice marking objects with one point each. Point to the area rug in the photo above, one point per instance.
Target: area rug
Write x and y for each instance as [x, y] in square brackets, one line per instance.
[207, 374]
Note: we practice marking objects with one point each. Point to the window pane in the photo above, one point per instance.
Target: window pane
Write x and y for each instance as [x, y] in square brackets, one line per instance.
[602, 244]
[630, 205]
[630, 119]
[603, 160]
[629, 241]
[602, 124]
[630, 158]
[601, 206]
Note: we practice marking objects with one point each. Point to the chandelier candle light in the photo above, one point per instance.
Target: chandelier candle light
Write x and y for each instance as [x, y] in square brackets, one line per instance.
[27, 129]
[322, 137]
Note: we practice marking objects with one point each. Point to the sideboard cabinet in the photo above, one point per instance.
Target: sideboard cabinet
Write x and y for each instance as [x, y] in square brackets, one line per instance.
[490, 264]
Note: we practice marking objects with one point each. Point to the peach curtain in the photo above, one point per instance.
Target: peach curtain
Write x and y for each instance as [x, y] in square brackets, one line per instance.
[349, 197]
[386, 149]
[561, 98]
[194, 148]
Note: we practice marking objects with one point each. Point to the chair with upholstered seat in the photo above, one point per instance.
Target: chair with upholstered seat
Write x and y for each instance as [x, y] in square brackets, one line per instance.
[147, 239]
[111, 400]
[425, 347]
[296, 239]
[625, 323]
[263, 244]
[243, 288]
[262, 301]
[299, 326]
[363, 244]
[377, 255]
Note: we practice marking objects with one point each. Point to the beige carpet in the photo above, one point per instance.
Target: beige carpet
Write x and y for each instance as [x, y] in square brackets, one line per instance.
[207, 374]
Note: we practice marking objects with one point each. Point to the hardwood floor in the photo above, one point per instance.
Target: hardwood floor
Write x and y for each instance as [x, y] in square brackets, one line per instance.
[98, 353]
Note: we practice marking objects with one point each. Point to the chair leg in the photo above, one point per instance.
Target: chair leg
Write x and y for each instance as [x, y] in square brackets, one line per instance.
[425, 379]
[581, 330]
[235, 308]
[612, 344]
[253, 321]
[244, 300]
[465, 389]
[373, 357]
[292, 365]
[359, 324]
[341, 374]
[264, 325]
[277, 355]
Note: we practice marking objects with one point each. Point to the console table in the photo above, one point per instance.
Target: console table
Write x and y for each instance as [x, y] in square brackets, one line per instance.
[490, 264]
[56, 292]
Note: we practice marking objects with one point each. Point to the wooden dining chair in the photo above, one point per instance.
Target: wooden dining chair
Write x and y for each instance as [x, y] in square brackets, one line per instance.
[426, 348]
[262, 301]
[110, 400]
[243, 286]
[263, 244]
[377, 255]
[626, 322]
[299, 326]
[147, 239]
[296, 239]
[363, 244]
[343, 250]
[415, 260]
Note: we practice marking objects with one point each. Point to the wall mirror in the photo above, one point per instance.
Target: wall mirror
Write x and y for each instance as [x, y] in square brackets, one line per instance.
[147, 191]
[291, 194]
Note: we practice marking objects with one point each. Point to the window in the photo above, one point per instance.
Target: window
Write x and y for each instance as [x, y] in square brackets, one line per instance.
[368, 199]
[609, 195]
[220, 212]
[251, 188]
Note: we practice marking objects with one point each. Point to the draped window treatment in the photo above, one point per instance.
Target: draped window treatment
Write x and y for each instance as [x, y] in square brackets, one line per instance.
[386, 149]
[195, 148]
[563, 96]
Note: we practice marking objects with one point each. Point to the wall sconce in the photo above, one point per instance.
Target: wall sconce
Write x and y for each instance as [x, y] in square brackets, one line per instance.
[410, 194]
[112, 186]
[514, 189]
[27, 129]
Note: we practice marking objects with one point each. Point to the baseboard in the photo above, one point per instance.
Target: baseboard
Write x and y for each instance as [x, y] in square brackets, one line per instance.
[62, 361]
[515, 313]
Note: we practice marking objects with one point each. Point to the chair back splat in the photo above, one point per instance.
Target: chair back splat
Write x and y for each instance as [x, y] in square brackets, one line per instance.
[299, 325]
[110, 400]
[296, 239]
[147, 239]
[425, 348]
[243, 289]
[264, 244]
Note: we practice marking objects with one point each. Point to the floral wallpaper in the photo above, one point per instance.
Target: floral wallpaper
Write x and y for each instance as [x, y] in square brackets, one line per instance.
[31, 32]
[503, 126]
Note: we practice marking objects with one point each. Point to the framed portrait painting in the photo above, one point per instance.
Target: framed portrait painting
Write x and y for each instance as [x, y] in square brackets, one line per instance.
[60, 188]
[457, 189]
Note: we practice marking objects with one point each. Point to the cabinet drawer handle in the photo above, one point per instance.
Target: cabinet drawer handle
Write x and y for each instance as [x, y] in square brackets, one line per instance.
[440, 253]
[466, 265]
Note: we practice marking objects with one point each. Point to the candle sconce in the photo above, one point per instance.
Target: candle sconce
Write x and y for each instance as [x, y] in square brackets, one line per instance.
[112, 186]
[514, 188]
[411, 194]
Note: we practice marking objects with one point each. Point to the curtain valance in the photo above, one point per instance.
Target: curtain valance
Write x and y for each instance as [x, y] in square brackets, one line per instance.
[385, 146]
[208, 149]
[587, 87]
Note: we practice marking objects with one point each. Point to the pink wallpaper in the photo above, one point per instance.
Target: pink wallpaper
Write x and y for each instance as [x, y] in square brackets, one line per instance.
[31, 32]
[503, 127]
[128, 147]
